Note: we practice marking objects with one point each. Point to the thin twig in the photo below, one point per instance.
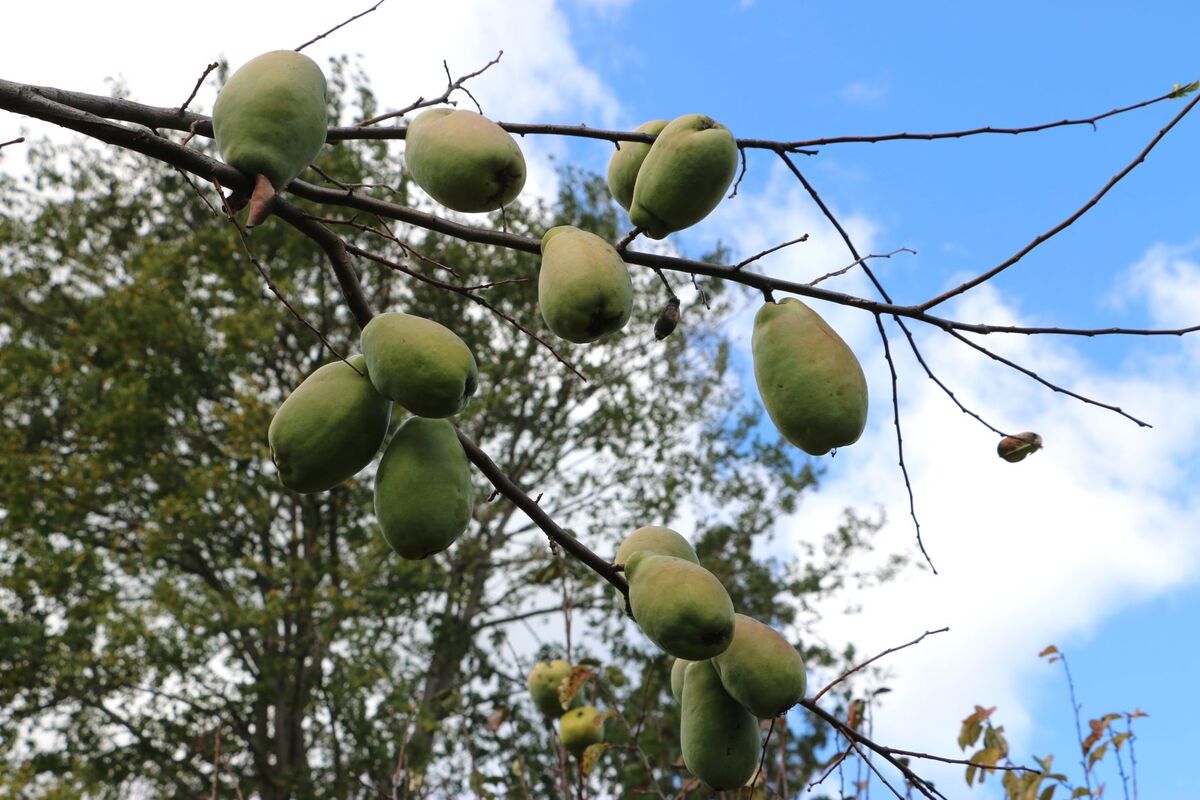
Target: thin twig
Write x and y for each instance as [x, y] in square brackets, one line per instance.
[1066, 223]
[737, 267]
[855, 737]
[837, 762]
[873, 659]
[270, 283]
[339, 25]
[762, 759]
[1030, 373]
[627, 239]
[464, 292]
[741, 174]
[964, 761]
[858, 261]
[216, 762]
[421, 102]
[17, 140]
[200, 82]
[912, 502]
[1087, 779]
[892, 137]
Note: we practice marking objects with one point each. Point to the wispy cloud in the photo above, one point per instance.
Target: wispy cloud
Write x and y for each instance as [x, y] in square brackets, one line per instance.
[865, 93]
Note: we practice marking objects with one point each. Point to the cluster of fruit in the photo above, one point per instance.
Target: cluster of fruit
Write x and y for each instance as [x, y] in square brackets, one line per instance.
[556, 695]
[730, 670]
[330, 427]
[270, 120]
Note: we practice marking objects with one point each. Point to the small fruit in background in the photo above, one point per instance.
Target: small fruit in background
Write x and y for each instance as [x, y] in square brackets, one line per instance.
[329, 427]
[464, 160]
[423, 494]
[544, 682]
[421, 364]
[1015, 448]
[809, 379]
[581, 727]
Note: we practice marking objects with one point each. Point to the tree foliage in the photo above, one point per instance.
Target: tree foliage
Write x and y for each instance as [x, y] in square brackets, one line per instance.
[167, 609]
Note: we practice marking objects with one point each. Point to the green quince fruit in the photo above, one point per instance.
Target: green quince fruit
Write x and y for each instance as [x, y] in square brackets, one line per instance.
[270, 116]
[684, 176]
[718, 737]
[624, 165]
[464, 160]
[329, 427]
[680, 606]
[761, 670]
[421, 364]
[584, 290]
[423, 494]
[810, 381]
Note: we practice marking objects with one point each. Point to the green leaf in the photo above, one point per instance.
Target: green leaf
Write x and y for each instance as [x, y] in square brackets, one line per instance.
[1179, 92]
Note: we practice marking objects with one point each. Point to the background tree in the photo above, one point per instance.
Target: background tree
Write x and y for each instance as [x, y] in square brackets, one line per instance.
[168, 606]
[286, 619]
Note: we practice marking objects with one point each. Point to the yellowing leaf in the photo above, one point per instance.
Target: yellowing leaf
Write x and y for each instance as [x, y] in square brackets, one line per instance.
[572, 683]
[1051, 650]
[591, 755]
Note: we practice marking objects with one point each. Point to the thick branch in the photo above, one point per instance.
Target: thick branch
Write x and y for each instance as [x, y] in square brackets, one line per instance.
[532, 510]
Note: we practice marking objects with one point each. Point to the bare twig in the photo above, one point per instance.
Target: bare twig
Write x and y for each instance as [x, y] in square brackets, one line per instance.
[837, 762]
[892, 137]
[1030, 373]
[199, 82]
[1066, 223]
[335, 250]
[856, 738]
[738, 266]
[858, 261]
[339, 25]
[741, 174]
[463, 291]
[421, 102]
[270, 283]
[627, 239]
[963, 761]
[17, 140]
[762, 759]
[912, 501]
[513, 492]
[1075, 707]
[872, 660]
[216, 776]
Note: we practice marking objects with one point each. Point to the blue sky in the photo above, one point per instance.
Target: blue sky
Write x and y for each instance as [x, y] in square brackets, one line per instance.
[1090, 545]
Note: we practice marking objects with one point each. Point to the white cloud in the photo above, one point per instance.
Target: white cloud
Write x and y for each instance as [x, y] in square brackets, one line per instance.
[865, 93]
[1029, 553]
[160, 54]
